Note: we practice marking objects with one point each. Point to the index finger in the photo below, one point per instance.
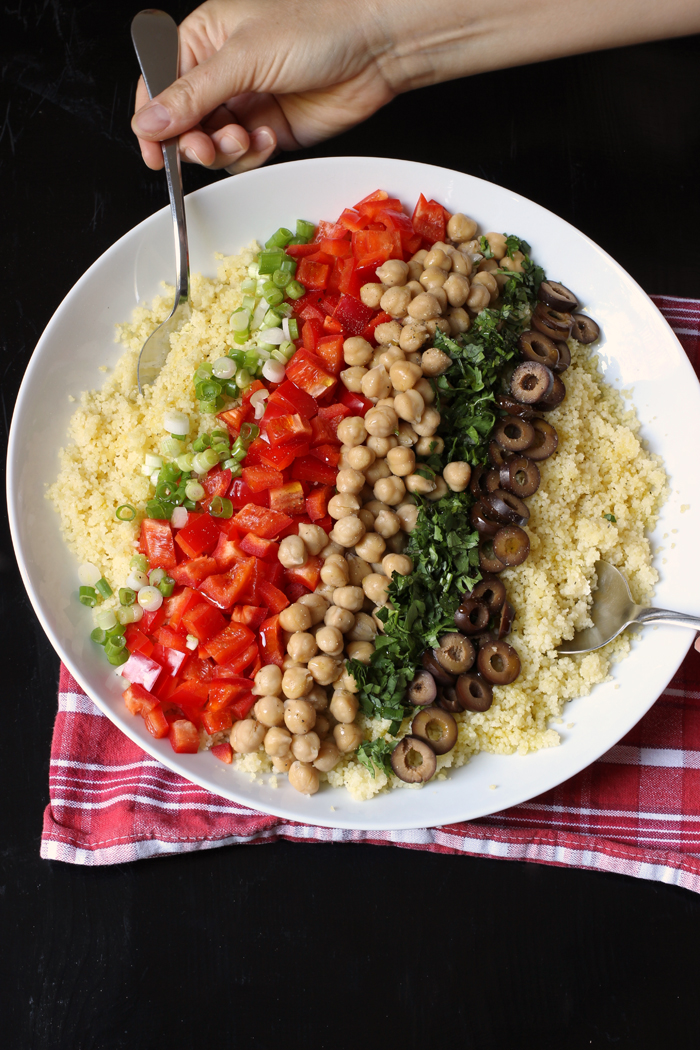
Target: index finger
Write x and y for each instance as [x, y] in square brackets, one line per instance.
[151, 152]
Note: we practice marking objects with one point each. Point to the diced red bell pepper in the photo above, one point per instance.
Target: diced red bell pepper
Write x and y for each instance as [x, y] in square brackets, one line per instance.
[234, 418]
[308, 468]
[242, 708]
[223, 751]
[272, 596]
[313, 275]
[220, 590]
[282, 456]
[332, 326]
[317, 502]
[357, 403]
[299, 251]
[282, 429]
[166, 686]
[230, 642]
[429, 220]
[306, 370]
[252, 389]
[330, 349]
[334, 413]
[176, 606]
[166, 636]
[262, 477]
[140, 670]
[251, 615]
[184, 737]
[323, 433]
[241, 495]
[270, 642]
[136, 641]
[191, 573]
[329, 231]
[234, 668]
[199, 536]
[139, 700]
[288, 498]
[310, 333]
[191, 698]
[294, 590]
[272, 571]
[396, 220]
[353, 314]
[216, 482]
[339, 249]
[352, 220]
[227, 553]
[157, 543]
[151, 621]
[253, 455]
[256, 547]
[375, 195]
[374, 247]
[374, 208]
[215, 722]
[378, 319]
[309, 574]
[300, 401]
[197, 669]
[156, 722]
[319, 256]
[308, 308]
[171, 660]
[264, 523]
[328, 454]
[203, 621]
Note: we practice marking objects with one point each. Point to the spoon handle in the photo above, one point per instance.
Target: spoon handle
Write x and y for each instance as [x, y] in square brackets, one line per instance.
[157, 45]
[666, 616]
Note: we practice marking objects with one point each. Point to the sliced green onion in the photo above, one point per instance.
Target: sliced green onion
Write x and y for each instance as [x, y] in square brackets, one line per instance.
[169, 472]
[295, 290]
[253, 269]
[176, 422]
[115, 644]
[117, 658]
[288, 265]
[156, 575]
[243, 378]
[219, 435]
[158, 510]
[189, 504]
[248, 285]
[233, 465]
[305, 229]
[140, 562]
[202, 442]
[150, 598]
[191, 641]
[281, 278]
[231, 390]
[184, 461]
[106, 619]
[224, 368]
[204, 371]
[99, 636]
[153, 461]
[293, 325]
[270, 260]
[220, 507]
[278, 355]
[89, 574]
[130, 614]
[209, 408]
[193, 490]
[251, 360]
[127, 596]
[238, 453]
[288, 349]
[103, 588]
[249, 431]
[166, 586]
[171, 446]
[208, 390]
[274, 371]
[137, 578]
[165, 490]
[280, 238]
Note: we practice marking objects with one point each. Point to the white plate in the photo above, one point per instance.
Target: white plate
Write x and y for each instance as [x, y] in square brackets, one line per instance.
[638, 349]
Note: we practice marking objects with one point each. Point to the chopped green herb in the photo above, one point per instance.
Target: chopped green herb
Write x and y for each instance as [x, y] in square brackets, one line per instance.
[610, 517]
[376, 753]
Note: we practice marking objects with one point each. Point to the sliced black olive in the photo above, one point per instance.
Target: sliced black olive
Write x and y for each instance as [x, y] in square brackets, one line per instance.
[491, 591]
[546, 440]
[506, 621]
[520, 476]
[456, 653]
[472, 616]
[480, 522]
[493, 480]
[448, 699]
[477, 485]
[584, 328]
[564, 358]
[498, 662]
[437, 727]
[474, 692]
[511, 544]
[488, 562]
[497, 455]
[513, 434]
[513, 407]
[534, 346]
[422, 689]
[413, 760]
[553, 323]
[554, 398]
[531, 381]
[558, 296]
[506, 507]
[439, 673]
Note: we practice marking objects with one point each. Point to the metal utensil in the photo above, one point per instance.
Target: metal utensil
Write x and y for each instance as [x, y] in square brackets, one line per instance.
[157, 45]
[613, 610]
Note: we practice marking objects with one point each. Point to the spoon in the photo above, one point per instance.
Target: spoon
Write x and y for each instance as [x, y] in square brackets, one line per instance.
[157, 45]
[613, 610]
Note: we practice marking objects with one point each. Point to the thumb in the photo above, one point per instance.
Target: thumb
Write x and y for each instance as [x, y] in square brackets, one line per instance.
[190, 98]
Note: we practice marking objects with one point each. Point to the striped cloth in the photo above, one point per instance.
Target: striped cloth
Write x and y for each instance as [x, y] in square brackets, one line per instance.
[635, 811]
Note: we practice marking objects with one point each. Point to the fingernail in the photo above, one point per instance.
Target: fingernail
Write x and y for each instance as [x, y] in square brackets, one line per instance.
[262, 139]
[191, 155]
[152, 118]
[231, 146]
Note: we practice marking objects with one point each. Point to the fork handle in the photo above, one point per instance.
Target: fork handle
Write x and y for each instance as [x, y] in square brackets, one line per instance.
[157, 45]
[678, 619]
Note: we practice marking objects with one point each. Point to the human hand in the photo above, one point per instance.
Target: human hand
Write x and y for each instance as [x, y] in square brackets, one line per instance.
[262, 75]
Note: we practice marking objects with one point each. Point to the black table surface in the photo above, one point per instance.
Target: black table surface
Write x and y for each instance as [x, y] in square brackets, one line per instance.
[311, 945]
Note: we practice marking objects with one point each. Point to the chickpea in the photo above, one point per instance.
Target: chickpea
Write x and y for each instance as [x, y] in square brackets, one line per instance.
[425, 389]
[356, 350]
[514, 264]
[324, 669]
[343, 458]
[412, 337]
[304, 778]
[419, 484]
[328, 757]
[424, 307]
[439, 491]
[247, 736]
[282, 763]
[318, 698]
[408, 516]
[461, 263]
[479, 298]
[395, 301]
[426, 446]
[351, 431]
[459, 319]
[349, 598]
[268, 681]
[306, 746]
[457, 475]
[399, 563]
[407, 435]
[359, 568]
[323, 726]
[296, 682]
[299, 715]
[379, 469]
[292, 552]
[353, 378]
[387, 524]
[347, 737]
[342, 619]
[382, 445]
[460, 227]
[432, 278]
[392, 272]
[295, 617]
[330, 640]
[441, 325]
[371, 547]
[366, 517]
[401, 460]
[314, 538]
[364, 629]
[419, 256]
[415, 269]
[489, 281]
[269, 711]
[376, 506]
[443, 246]
[302, 646]
[342, 505]
[415, 288]
[404, 375]
[349, 480]
[376, 588]
[398, 543]
[437, 257]
[358, 458]
[376, 383]
[429, 422]
[348, 531]
[277, 741]
[497, 244]
[387, 333]
[335, 571]
[381, 422]
[409, 406]
[344, 706]
[435, 362]
[371, 294]
[489, 266]
[327, 590]
[456, 289]
[390, 490]
[361, 651]
[346, 681]
[331, 548]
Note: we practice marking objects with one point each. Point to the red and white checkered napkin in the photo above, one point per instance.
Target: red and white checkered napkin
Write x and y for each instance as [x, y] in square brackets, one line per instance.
[636, 810]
